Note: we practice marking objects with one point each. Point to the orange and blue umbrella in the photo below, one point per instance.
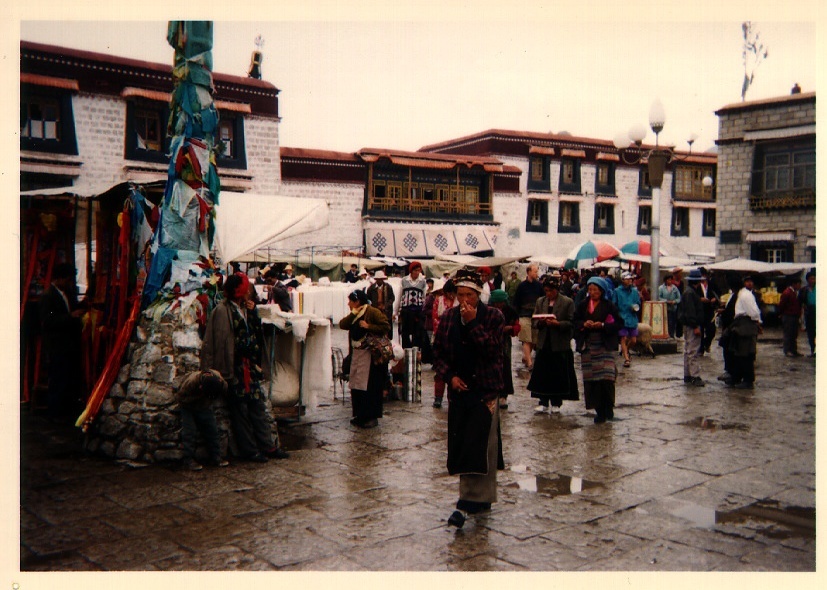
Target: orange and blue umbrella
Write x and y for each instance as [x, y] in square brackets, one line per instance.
[589, 253]
[641, 247]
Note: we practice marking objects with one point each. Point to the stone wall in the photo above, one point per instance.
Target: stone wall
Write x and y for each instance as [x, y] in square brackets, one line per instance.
[140, 420]
[345, 201]
[735, 161]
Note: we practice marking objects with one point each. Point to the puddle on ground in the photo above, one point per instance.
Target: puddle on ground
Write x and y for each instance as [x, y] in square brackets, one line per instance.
[298, 440]
[712, 424]
[765, 518]
[559, 486]
[658, 379]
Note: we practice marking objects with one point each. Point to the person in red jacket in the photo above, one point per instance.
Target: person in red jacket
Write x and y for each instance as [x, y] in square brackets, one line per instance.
[789, 308]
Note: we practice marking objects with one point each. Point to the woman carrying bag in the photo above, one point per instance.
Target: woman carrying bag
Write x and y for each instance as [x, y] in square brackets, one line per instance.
[367, 378]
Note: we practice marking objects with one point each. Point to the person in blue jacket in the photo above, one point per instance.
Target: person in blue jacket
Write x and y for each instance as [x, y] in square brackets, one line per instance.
[627, 300]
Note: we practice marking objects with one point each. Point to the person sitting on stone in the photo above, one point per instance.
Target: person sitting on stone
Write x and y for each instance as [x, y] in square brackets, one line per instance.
[196, 394]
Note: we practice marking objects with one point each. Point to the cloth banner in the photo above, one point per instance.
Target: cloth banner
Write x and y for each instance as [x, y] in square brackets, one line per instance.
[410, 243]
[380, 242]
[440, 242]
[472, 239]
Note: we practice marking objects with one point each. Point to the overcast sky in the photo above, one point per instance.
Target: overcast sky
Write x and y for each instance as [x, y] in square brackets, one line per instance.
[398, 77]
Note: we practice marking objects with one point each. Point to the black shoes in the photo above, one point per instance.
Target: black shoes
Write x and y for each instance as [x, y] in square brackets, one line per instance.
[277, 453]
[437, 402]
[456, 519]
[599, 419]
[257, 458]
[744, 385]
[192, 465]
[696, 382]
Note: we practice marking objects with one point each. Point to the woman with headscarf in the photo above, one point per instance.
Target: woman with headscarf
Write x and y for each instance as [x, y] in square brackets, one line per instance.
[553, 378]
[596, 322]
[366, 377]
[233, 347]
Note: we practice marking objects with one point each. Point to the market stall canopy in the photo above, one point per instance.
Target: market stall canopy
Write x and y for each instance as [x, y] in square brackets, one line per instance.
[665, 262]
[549, 261]
[476, 261]
[246, 222]
[757, 266]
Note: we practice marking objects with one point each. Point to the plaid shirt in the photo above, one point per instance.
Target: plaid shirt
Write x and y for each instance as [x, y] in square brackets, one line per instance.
[485, 334]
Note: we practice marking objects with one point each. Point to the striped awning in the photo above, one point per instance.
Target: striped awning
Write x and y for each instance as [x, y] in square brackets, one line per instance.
[159, 96]
[50, 81]
[780, 132]
[770, 236]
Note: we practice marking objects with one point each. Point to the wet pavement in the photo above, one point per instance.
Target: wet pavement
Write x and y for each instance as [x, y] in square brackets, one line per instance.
[684, 479]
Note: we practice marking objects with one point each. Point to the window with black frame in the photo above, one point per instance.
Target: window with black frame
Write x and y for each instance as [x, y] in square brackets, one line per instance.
[784, 174]
[709, 223]
[644, 220]
[605, 179]
[569, 175]
[537, 216]
[146, 126]
[604, 218]
[46, 121]
[568, 218]
[680, 221]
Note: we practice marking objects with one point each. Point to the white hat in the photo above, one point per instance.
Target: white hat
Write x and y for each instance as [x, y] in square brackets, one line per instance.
[288, 267]
[380, 274]
[627, 275]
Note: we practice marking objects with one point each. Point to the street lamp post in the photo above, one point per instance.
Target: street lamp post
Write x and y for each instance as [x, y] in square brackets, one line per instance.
[656, 162]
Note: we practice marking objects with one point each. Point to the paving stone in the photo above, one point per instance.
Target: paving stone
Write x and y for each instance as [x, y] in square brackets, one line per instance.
[228, 503]
[226, 558]
[203, 535]
[154, 520]
[51, 539]
[289, 546]
[378, 500]
[130, 553]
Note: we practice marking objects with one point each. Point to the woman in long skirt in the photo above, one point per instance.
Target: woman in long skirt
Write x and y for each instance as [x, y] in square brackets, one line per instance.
[553, 378]
[596, 322]
[366, 378]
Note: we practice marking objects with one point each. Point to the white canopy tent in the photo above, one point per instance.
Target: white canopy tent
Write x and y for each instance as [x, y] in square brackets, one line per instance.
[757, 266]
[246, 222]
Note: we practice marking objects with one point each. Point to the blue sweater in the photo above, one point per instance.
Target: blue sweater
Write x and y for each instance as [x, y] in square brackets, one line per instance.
[624, 299]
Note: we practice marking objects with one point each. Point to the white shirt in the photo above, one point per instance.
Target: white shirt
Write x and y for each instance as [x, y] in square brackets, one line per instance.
[747, 306]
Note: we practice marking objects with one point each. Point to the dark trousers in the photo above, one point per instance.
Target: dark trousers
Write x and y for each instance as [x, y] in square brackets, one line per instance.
[744, 369]
[671, 321]
[195, 420]
[64, 378]
[411, 327]
[707, 335]
[789, 326]
[251, 425]
[810, 325]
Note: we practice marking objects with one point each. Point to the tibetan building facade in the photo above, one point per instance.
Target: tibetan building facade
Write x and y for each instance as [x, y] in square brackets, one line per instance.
[401, 204]
[574, 189]
[767, 179]
[97, 120]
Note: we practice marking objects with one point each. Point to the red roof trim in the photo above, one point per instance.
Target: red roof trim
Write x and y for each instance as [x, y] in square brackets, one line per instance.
[67, 54]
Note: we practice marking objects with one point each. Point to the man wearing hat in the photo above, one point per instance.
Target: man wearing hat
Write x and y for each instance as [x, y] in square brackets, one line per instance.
[627, 300]
[469, 359]
[61, 321]
[744, 332]
[691, 316]
[382, 298]
[411, 321]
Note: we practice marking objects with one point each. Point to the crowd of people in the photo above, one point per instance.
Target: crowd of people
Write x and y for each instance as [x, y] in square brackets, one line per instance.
[465, 329]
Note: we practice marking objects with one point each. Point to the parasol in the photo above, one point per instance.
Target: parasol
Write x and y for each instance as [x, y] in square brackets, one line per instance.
[587, 253]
